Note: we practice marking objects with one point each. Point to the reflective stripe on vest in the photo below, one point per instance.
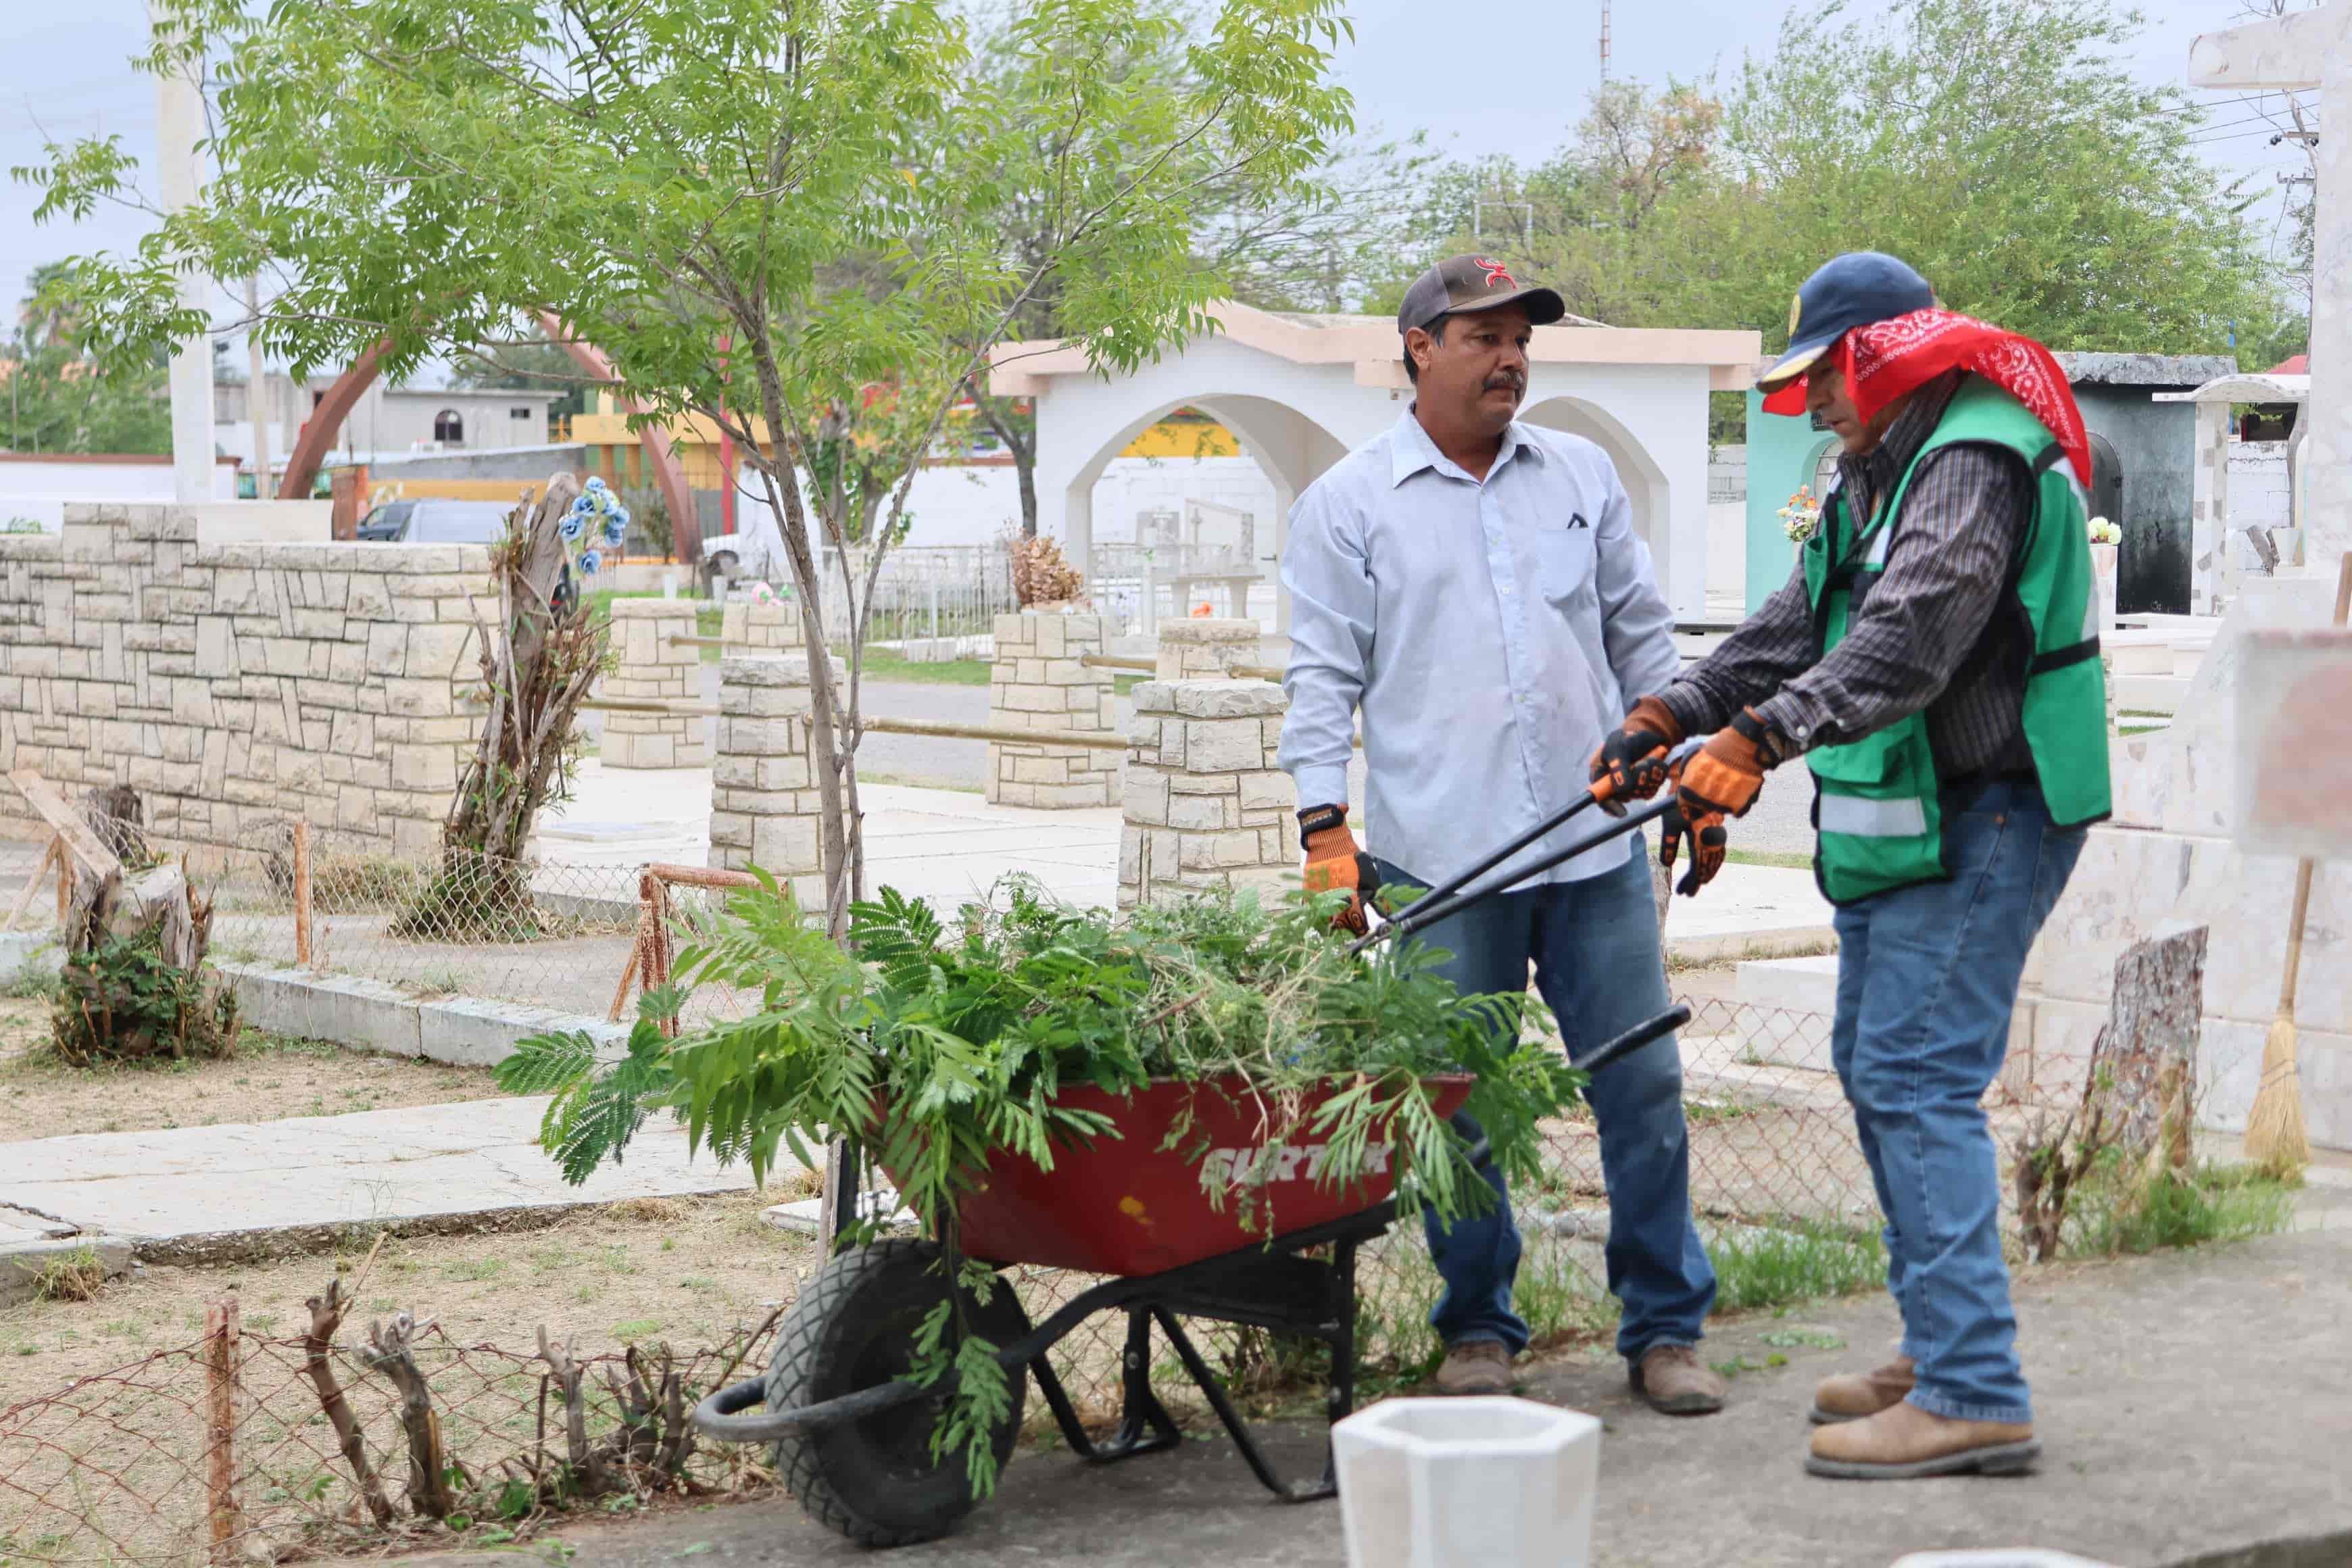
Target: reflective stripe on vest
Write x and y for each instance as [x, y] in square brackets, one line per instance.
[1859, 817]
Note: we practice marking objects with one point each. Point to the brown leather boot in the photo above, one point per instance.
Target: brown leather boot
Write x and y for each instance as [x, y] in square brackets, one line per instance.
[1903, 1441]
[1675, 1382]
[1851, 1395]
[1480, 1366]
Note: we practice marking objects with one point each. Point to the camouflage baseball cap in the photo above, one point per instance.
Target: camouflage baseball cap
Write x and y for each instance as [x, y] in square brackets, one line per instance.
[1463, 283]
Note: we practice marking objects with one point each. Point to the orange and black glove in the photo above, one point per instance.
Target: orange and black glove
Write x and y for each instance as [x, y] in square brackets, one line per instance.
[1334, 863]
[1722, 780]
[1632, 759]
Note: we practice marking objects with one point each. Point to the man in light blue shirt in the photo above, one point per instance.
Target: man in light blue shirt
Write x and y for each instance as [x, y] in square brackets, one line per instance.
[1475, 586]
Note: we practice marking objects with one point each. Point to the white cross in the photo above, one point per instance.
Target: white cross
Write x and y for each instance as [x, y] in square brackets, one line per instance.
[2298, 52]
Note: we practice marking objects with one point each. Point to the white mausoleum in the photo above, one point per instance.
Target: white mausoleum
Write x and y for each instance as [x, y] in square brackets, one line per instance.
[1299, 392]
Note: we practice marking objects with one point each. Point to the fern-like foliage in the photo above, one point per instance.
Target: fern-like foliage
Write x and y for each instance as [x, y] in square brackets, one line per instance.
[943, 1045]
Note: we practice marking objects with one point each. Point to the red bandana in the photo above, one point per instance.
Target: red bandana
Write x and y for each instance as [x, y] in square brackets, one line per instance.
[1887, 359]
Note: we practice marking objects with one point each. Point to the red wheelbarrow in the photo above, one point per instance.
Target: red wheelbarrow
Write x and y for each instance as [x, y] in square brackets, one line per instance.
[1165, 1218]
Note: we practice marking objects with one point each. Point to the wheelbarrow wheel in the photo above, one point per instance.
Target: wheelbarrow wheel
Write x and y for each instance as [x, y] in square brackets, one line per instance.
[853, 1327]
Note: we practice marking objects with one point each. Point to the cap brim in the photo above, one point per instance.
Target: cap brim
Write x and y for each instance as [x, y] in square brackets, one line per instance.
[1542, 305]
[1798, 359]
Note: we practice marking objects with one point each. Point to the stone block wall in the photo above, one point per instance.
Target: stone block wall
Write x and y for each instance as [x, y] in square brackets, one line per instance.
[1038, 683]
[1203, 804]
[763, 801]
[649, 668]
[759, 628]
[237, 685]
[1207, 649]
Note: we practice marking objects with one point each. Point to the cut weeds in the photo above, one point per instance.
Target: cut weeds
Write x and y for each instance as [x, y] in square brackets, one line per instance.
[947, 1047]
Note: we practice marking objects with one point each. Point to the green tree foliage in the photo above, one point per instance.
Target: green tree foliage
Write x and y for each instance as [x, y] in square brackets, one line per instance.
[58, 400]
[763, 210]
[2000, 146]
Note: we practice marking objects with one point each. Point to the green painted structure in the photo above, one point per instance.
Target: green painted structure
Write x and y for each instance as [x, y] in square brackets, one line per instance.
[1783, 453]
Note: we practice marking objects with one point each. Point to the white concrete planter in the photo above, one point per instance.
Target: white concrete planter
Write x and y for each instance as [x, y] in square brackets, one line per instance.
[1450, 1483]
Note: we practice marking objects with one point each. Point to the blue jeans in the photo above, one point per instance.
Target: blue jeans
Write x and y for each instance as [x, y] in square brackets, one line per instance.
[1594, 945]
[1926, 979]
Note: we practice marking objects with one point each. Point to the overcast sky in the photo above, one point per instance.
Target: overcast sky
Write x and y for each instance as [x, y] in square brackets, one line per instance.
[1517, 91]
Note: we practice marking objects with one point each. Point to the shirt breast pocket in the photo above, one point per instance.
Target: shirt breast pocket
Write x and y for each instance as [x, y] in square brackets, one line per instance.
[1564, 564]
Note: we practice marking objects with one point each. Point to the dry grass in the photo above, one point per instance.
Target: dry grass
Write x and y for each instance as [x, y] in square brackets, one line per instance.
[684, 1270]
[268, 1078]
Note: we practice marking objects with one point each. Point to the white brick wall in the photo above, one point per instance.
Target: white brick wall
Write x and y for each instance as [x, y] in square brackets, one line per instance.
[1039, 683]
[237, 685]
[650, 668]
[764, 808]
[1203, 804]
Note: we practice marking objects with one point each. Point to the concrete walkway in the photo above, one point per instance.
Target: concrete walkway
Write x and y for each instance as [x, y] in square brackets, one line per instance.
[951, 847]
[2196, 1409]
[201, 1194]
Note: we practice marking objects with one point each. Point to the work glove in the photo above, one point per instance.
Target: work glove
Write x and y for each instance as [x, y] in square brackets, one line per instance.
[1333, 862]
[1706, 839]
[1727, 772]
[1721, 778]
[1631, 763]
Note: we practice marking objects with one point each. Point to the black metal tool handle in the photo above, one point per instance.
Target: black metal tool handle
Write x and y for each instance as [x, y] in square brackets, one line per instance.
[1447, 898]
[1634, 1039]
[1426, 911]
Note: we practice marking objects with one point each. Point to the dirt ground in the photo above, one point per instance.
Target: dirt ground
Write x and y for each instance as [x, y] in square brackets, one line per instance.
[268, 1078]
[684, 1270]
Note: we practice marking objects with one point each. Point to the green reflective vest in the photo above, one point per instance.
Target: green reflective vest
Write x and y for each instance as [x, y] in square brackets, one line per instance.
[1876, 809]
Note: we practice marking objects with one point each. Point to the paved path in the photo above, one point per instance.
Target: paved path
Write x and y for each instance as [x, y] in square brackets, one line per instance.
[190, 1194]
[949, 846]
[2192, 1405]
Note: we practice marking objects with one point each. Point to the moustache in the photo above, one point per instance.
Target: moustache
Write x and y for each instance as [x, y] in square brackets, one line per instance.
[1507, 380]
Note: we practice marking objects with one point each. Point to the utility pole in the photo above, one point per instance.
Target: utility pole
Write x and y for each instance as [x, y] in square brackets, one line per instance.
[1604, 40]
[256, 391]
[180, 172]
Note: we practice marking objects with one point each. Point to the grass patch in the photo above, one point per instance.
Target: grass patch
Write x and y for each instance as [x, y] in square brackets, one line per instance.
[2119, 1212]
[76, 1276]
[30, 985]
[1773, 1267]
[1776, 859]
[889, 663]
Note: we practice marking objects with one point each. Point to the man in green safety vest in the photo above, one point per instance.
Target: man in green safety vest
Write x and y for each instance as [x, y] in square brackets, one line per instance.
[1934, 659]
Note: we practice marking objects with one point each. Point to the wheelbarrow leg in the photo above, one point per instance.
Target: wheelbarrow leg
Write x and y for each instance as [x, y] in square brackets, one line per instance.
[1339, 1400]
[1144, 1427]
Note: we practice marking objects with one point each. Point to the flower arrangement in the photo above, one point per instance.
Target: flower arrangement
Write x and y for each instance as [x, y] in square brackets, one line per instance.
[1800, 516]
[597, 522]
[2105, 532]
[762, 594]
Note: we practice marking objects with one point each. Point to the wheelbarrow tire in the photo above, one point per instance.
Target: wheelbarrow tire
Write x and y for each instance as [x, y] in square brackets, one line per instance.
[853, 1327]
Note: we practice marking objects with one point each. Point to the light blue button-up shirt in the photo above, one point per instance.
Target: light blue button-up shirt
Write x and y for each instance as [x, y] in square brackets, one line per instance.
[1492, 633]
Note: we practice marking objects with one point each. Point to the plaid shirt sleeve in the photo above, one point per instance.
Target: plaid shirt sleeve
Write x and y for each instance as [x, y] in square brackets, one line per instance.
[1947, 567]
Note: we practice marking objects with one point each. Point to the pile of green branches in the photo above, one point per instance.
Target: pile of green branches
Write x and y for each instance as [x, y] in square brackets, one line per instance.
[942, 1046]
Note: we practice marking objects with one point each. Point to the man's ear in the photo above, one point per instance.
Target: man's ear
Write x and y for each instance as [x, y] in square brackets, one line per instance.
[1420, 346]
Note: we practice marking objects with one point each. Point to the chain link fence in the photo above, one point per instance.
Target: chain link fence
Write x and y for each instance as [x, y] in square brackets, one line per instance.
[119, 1467]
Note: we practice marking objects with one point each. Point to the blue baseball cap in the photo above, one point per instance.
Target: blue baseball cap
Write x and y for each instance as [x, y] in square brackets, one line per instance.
[1848, 291]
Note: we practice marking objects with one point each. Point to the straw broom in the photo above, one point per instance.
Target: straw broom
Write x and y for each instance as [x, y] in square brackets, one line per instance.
[2275, 1139]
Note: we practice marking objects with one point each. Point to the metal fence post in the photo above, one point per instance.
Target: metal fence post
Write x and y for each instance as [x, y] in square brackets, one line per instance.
[220, 1426]
[302, 893]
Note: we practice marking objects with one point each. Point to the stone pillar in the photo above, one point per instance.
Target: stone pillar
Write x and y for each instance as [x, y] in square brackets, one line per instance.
[2211, 551]
[1207, 649]
[763, 802]
[1038, 683]
[1204, 804]
[744, 627]
[651, 670]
